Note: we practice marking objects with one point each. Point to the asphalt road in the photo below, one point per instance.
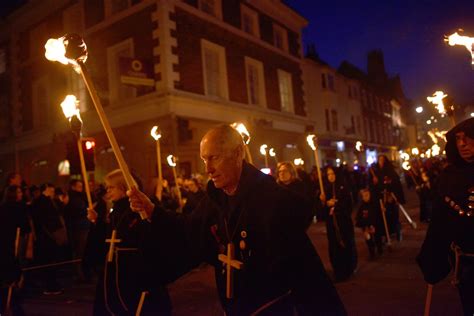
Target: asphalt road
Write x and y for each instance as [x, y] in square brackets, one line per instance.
[389, 285]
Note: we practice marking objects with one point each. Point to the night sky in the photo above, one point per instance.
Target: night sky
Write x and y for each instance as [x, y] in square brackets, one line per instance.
[409, 32]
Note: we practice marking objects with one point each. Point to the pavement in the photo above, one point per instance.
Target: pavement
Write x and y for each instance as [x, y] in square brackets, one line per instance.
[389, 285]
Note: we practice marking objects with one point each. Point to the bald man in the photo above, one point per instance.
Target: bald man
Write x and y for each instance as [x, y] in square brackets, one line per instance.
[279, 272]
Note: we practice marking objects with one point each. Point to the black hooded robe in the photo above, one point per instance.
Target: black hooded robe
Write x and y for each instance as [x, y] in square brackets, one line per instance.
[266, 223]
[454, 193]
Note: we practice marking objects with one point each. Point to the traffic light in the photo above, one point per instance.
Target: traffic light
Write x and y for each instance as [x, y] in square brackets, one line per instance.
[88, 148]
[72, 154]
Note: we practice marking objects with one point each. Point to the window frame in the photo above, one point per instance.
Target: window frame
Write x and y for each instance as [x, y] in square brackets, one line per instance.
[114, 71]
[262, 99]
[279, 29]
[222, 82]
[217, 8]
[283, 75]
[245, 10]
[108, 8]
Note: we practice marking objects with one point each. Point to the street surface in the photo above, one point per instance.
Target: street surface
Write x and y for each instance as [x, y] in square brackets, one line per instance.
[389, 285]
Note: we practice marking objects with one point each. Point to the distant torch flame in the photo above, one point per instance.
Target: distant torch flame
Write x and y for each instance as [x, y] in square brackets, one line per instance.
[70, 107]
[415, 151]
[155, 132]
[358, 146]
[433, 137]
[435, 150]
[171, 160]
[405, 156]
[437, 99]
[406, 165]
[298, 162]
[271, 152]
[311, 141]
[263, 149]
[242, 131]
[441, 134]
[457, 39]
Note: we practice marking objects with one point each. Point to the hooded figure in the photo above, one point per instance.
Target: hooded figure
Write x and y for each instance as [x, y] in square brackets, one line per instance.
[449, 241]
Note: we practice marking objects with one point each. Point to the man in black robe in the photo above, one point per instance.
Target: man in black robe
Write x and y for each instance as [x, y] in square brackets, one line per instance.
[266, 223]
[450, 234]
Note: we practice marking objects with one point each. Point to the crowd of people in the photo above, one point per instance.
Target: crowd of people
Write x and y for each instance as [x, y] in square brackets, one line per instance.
[257, 222]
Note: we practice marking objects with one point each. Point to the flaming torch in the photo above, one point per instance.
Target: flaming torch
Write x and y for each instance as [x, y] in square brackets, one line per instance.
[156, 134]
[72, 50]
[437, 99]
[71, 112]
[172, 162]
[312, 141]
[240, 127]
[263, 151]
[272, 153]
[457, 39]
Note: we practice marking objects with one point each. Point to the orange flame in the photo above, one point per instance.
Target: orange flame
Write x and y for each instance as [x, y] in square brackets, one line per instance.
[311, 141]
[70, 107]
[457, 39]
[171, 160]
[155, 132]
[437, 99]
[240, 127]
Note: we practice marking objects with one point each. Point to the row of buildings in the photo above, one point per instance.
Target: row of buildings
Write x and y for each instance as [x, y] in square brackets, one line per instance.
[187, 65]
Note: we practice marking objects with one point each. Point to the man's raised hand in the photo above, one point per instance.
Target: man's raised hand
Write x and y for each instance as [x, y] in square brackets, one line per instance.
[139, 202]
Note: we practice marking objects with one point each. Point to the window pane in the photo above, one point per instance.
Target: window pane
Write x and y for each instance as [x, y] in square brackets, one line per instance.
[208, 6]
[211, 64]
[118, 5]
[252, 77]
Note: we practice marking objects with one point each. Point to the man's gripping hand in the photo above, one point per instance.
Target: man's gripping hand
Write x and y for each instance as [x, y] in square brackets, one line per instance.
[139, 202]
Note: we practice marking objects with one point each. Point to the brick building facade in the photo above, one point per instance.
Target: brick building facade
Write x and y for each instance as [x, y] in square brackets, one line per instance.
[212, 61]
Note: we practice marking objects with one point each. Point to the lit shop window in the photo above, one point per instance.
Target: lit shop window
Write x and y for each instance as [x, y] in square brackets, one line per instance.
[286, 91]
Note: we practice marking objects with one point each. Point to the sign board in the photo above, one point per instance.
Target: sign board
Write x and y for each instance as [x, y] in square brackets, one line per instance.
[136, 72]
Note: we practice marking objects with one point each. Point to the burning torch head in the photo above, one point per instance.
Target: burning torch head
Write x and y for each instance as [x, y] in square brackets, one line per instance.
[240, 127]
[69, 49]
[155, 132]
[76, 48]
[171, 161]
[312, 140]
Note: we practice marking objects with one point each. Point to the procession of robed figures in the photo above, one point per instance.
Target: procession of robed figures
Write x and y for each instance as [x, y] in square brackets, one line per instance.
[251, 228]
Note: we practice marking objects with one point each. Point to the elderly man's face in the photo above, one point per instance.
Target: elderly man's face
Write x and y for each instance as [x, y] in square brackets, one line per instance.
[223, 165]
[465, 146]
